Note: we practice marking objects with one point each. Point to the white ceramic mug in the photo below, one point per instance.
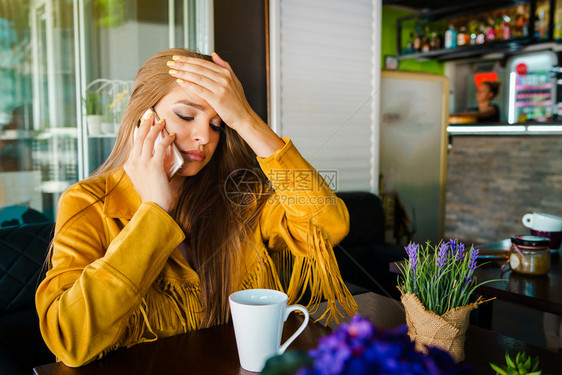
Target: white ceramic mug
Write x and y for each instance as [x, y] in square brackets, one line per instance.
[542, 222]
[258, 316]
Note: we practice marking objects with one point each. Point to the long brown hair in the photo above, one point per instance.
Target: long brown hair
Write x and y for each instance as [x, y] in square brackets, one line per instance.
[215, 216]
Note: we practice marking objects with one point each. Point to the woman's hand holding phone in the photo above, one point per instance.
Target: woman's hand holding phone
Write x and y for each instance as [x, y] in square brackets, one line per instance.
[145, 165]
[173, 160]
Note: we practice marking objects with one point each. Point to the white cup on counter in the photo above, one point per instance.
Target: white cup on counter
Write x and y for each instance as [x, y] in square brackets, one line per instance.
[258, 316]
[542, 222]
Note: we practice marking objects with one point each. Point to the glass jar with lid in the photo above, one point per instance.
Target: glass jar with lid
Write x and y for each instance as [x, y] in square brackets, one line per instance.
[529, 255]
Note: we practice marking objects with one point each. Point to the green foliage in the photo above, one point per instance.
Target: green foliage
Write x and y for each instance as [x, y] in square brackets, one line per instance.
[287, 363]
[523, 364]
[93, 103]
[112, 13]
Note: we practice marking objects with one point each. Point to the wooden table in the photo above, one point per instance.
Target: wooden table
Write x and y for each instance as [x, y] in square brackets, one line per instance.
[540, 292]
[213, 350]
[207, 351]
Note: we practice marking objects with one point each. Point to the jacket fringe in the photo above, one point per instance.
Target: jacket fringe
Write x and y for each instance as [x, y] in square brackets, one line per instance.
[169, 301]
[319, 274]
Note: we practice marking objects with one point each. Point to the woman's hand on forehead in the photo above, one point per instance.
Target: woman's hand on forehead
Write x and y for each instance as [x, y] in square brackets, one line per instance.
[216, 83]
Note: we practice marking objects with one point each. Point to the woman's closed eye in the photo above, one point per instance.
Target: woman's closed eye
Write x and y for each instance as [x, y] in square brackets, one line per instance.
[216, 128]
[185, 118]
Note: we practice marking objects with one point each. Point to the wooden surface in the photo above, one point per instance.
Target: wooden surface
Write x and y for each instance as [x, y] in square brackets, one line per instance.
[539, 292]
[208, 351]
[213, 350]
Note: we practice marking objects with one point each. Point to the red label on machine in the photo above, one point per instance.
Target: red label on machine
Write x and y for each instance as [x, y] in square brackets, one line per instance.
[521, 69]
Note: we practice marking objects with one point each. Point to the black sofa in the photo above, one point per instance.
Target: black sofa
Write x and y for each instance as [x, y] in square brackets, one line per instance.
[364, 255]
[22, 253]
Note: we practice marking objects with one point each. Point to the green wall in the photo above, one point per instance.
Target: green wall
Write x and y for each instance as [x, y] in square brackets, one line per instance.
[388, 41]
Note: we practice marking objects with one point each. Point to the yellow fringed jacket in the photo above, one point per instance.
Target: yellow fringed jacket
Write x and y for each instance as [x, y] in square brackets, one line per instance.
[118, 278]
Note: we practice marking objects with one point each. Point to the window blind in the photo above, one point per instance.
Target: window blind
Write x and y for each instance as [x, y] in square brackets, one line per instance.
[325, 74]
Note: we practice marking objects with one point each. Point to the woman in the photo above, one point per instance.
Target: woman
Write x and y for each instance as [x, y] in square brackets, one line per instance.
[486, 111]
[137, 257]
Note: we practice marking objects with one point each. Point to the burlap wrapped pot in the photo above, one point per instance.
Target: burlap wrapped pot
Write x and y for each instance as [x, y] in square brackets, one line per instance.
[445, 331]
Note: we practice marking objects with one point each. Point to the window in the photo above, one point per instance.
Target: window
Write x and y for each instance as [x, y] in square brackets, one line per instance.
[56, 52]
[325, 75]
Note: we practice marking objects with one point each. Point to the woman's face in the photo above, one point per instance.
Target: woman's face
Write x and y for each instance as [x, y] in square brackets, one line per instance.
[196, 124]
[483, 93]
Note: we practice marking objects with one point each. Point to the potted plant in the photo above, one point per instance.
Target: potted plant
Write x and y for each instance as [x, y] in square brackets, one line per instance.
[93, 112]
[523, 364]
[107, 126]
[114, 111]
[437, 284]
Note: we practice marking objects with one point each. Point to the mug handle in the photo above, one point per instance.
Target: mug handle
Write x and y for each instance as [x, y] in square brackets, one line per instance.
[289, 310]
[527, 220]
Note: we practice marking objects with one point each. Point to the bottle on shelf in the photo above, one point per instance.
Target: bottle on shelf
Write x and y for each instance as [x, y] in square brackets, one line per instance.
[433, 41]
[498, 27]
[451, 37]
[525, 26]
[541, 26]
[481, 36]
[425, 40]
[558, 24]
[462, 37]
[417, 40]
[506, 26]
[518, 22]
[410, 45]
[472, 31]
[439, 41]
[490, 32]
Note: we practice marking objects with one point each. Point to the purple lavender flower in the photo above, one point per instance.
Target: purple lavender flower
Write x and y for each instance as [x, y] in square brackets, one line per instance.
[456, 249]
[360, 348]
[442, 255]
[359, 330]
[331, 355]
[460, 252]
[472, 264]
[412, 251]
[452, 244]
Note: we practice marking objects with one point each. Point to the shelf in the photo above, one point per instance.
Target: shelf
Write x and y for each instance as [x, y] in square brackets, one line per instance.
[49, 133]
[107, 135]
[536, 95]
[16, 135]
[543, 103]
[57, 132]
[480, 8]
[509, 46]
[544, 86]
[506, 129]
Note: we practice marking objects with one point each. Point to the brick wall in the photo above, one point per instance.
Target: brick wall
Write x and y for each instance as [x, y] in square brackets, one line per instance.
[492, 181]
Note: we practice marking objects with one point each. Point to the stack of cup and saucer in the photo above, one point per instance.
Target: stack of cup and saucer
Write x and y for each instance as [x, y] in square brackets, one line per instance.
[545, 225]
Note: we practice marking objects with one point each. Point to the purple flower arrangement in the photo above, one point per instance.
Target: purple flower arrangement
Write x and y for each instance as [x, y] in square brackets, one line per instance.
[441, 277]
[358, 348]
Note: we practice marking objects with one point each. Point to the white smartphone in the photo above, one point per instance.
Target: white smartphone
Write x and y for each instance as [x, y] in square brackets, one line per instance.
[173, 161]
